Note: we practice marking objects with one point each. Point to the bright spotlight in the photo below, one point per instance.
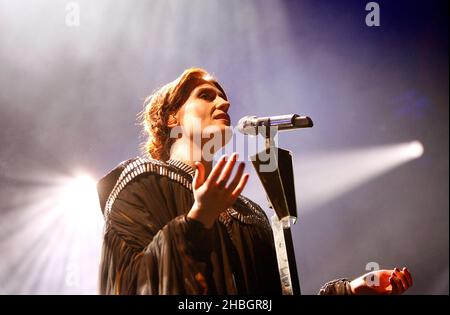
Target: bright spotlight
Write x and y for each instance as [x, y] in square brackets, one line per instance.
[78, 199]
[414, 149]
[329, 175]
[80, 193]
[60, 237]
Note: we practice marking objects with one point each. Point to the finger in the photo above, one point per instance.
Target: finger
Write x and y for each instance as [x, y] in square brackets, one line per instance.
[402, 278]
[217, 169]
[199, 177]
[237, 177]
[395, 289]
[408, 276]
[240, 187]
[226, 172]
[399, 284]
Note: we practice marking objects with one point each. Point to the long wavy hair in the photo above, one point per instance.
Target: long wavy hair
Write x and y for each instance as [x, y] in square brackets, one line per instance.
[164, 102]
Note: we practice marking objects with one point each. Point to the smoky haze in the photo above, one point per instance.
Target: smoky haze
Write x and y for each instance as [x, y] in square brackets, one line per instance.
[70, 96]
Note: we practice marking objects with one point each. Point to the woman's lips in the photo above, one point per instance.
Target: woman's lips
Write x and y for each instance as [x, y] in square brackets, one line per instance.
[224, 117]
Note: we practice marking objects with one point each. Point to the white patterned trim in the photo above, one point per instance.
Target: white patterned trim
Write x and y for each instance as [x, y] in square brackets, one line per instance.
[171, 169]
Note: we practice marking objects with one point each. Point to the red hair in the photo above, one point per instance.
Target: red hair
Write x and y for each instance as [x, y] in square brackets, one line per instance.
[167, 101]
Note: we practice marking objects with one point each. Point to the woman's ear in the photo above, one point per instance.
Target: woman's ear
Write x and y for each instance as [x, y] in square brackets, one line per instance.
[172, 121]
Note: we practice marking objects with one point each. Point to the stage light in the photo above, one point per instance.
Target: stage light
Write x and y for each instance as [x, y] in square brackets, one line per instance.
[414, 149]
[326, 176]
[79, 193]
[78, 200]
[60, 236]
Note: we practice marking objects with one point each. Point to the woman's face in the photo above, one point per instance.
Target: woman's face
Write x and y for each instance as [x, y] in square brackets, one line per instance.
[205, 113]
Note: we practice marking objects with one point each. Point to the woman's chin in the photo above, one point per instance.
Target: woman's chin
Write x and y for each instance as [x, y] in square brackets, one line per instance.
[219, 133]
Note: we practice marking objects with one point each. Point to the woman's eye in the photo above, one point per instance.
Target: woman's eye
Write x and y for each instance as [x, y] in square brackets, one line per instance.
[205, 95]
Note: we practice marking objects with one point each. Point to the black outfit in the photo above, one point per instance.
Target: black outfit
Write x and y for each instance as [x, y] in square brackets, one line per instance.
[150, 247]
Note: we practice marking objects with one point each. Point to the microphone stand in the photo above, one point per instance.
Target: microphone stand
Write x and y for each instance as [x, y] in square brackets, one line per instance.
[278, 181]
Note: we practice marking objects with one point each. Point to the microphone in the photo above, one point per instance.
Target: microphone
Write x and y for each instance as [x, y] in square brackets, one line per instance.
[248, 125]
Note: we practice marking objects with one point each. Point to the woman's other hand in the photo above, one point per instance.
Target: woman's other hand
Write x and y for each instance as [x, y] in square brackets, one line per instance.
[394, 281]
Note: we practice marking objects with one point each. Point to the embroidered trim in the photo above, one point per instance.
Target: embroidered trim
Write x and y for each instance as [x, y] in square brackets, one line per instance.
[140, 166]
[171, 169]
[184, 167]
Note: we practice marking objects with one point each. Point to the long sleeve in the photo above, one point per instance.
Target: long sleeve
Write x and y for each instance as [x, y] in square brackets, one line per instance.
[336, 287]
[149, 246]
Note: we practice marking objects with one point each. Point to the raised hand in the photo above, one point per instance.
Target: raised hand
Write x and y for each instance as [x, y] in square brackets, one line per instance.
[212, 195]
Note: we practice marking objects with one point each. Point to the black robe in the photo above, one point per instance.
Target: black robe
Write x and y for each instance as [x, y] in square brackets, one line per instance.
[150, 247]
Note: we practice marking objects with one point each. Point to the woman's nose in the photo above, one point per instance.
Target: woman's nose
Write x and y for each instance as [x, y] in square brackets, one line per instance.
[223, 106]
